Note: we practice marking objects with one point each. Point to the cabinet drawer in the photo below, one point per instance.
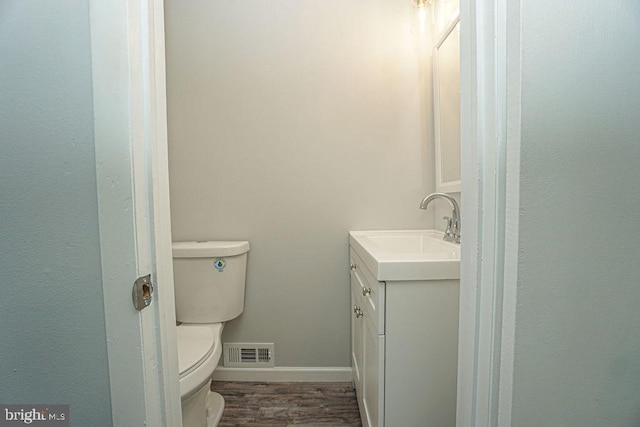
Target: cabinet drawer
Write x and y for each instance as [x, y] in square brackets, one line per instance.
[371, 291]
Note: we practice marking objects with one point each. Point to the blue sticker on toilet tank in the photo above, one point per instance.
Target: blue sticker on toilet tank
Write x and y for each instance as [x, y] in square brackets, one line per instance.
[219, 264]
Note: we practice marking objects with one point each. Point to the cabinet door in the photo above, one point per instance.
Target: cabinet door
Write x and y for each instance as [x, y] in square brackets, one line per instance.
[373, 376]
[356, 335]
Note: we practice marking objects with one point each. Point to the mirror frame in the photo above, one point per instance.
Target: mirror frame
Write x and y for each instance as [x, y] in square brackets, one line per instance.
[441, 186]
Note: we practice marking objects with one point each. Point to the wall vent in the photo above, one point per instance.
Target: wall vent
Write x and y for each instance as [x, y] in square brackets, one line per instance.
[248, 355]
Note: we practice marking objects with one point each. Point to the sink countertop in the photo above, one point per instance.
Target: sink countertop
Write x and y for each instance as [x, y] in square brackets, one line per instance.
[400, 255]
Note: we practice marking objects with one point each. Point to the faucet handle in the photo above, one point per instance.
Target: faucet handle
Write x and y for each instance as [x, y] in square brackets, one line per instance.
[448, 233]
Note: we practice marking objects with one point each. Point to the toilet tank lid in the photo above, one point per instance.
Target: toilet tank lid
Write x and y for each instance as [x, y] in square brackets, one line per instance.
[209, 249]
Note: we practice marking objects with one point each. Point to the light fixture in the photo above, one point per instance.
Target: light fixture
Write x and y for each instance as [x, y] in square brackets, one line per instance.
[423, 17]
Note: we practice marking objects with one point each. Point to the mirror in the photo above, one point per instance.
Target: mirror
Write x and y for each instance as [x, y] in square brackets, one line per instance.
[446, 97]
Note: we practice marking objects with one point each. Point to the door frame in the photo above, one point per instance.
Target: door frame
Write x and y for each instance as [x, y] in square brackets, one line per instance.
[130, 33]
[163, 250]
[128, 67]
[490, 136]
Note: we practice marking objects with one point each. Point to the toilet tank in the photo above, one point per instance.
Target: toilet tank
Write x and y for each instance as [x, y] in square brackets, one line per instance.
[209, 280]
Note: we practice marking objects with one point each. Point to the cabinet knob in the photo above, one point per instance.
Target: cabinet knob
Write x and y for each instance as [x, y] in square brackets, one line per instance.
[366, 291]
[357, 311]
[352, 266]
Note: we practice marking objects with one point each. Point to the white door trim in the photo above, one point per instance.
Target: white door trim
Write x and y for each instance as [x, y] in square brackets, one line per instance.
[151, 177]
[127, 41]
[490, 186]
[161, 212]
[139, 60]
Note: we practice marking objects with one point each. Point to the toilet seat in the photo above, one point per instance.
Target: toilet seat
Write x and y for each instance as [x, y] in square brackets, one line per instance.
[195, 344]
[199, 350]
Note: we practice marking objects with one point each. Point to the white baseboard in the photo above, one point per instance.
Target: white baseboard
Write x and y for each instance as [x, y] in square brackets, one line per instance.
[283, 374]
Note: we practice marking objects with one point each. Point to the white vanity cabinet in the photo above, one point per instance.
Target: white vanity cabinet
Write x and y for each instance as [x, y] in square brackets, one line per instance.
[404, 337]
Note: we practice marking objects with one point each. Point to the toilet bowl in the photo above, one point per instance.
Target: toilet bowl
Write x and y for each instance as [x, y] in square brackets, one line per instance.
[199, 350]
[209, 282]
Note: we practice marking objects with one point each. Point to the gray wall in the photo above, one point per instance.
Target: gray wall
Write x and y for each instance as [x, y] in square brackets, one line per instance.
[53, 332]
[578, 301]
[291, 123]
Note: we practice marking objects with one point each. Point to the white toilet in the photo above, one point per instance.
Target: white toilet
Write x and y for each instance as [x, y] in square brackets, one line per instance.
[209, 287]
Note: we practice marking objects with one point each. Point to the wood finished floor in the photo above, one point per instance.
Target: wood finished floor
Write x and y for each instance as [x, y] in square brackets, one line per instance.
[288, 404]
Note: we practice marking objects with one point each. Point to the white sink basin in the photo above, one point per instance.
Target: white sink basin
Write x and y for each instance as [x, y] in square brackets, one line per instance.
[407, 254]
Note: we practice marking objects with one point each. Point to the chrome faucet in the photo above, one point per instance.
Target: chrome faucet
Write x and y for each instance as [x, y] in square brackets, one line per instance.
[452, 233]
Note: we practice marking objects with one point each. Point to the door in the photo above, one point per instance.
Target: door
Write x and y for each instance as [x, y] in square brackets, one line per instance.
[127, 44]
